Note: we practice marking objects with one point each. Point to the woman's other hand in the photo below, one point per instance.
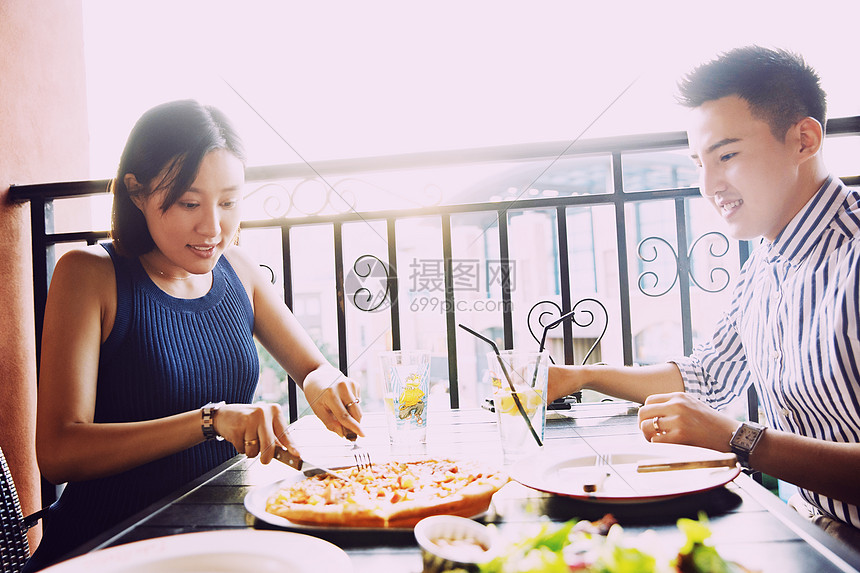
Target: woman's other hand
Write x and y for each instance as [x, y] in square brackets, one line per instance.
[335, 399]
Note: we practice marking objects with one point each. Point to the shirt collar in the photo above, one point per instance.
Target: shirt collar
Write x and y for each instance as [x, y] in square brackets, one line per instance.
[802, 233]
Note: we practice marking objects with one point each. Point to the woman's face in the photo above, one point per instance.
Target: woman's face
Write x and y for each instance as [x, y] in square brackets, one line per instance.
[196, 230]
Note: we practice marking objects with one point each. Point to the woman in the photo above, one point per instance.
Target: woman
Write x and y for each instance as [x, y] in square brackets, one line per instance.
[143, 338]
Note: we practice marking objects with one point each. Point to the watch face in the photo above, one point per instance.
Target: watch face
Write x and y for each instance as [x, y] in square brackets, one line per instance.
[746, 436]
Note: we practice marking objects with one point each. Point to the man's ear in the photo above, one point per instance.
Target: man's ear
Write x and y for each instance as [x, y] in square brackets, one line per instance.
[134, 188]
[810, 136]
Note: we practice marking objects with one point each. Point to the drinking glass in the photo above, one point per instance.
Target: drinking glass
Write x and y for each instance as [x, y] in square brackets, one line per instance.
[521, 412]
[406, 390]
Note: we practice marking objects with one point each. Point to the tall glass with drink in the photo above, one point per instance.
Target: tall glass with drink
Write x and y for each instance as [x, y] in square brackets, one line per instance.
[406, 391]
[519, 398]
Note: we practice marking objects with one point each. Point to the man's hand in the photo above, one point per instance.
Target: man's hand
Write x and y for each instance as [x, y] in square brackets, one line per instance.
[682, 419]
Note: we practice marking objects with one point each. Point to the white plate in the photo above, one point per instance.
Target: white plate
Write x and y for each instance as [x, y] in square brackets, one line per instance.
[554, 472]
[236, 551]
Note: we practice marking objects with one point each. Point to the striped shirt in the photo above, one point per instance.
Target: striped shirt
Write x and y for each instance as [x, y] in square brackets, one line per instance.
[793, 331]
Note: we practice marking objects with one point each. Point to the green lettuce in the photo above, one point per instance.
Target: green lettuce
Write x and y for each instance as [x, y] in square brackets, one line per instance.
[541, 553]
[695, 556]
[544, 552]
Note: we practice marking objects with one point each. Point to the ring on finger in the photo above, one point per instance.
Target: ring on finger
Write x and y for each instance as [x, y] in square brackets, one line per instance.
[250, 442]
[353, 403]
[656, 422]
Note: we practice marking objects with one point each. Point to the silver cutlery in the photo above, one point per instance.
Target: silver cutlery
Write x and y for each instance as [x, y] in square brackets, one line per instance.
[361, 456]
[297, 463]
[601, 463]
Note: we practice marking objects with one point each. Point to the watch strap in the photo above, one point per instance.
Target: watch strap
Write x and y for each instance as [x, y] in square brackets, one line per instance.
[207, 422]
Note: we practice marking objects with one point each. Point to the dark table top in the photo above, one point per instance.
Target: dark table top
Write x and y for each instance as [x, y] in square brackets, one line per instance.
[749, 524]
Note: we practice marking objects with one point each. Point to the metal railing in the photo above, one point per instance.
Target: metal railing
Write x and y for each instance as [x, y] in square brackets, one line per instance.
[41, 199]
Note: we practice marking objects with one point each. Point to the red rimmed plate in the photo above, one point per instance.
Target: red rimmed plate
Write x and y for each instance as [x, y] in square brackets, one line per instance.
[553, 471]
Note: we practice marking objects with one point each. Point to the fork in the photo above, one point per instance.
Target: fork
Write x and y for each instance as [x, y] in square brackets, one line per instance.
[601, 465]
[361, 456]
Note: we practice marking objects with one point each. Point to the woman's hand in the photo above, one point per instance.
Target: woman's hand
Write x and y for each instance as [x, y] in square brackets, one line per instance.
[678, 418]
[254, 429]
[335, 399]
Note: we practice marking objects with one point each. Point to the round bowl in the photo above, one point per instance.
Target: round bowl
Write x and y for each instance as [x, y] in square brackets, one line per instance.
[449, 542]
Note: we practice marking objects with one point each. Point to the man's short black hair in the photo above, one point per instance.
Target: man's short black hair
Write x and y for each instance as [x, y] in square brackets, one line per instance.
[779, 86]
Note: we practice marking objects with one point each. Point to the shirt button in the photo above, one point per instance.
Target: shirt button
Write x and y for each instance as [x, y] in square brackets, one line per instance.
[776, 354]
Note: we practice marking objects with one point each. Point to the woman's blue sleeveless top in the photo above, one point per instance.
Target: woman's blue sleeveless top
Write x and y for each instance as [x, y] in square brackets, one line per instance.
[163, 356]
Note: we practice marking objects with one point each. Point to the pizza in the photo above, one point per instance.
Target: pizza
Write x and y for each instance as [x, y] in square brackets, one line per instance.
[389, 495]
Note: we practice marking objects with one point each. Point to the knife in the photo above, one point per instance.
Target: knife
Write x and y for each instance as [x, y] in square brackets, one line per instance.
[297, 463]
[724, 461]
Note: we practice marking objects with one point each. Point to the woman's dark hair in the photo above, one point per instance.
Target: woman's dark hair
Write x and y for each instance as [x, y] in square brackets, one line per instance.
[170, 139]
[779, 86]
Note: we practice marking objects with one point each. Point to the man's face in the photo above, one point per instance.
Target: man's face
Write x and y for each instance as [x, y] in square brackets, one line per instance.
[749, 176]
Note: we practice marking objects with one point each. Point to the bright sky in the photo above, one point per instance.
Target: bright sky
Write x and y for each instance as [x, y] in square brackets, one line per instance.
[354, 79]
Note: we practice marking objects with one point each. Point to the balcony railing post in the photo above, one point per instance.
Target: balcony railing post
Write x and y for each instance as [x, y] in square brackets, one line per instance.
[505, 269]
[393, 283]
[564, 276]
[287, 265]
[38, 215]
[623, 275]
[450, 312]
[684, 275]
[343, 358]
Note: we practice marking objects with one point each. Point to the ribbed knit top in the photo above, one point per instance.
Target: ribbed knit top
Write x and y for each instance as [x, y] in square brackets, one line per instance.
[163, 356]
[167, 355]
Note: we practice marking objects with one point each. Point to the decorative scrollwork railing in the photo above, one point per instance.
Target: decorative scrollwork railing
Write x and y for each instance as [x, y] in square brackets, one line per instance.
[272, 277]
[716, 251]
[368, 283]
[547, 319]
[538, 316]
[717, 247]
[652, 258]
[314, 196]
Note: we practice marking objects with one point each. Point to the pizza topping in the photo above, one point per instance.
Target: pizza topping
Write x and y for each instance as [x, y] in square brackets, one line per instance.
[395, 490]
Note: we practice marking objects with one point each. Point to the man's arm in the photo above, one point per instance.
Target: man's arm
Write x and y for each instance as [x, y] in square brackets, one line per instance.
[628, 383]
[825, 467]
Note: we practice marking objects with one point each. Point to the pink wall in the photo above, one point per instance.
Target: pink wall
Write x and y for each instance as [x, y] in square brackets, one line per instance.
[43, 121]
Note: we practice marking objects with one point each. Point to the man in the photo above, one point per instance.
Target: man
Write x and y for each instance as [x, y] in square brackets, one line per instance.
[793, 328]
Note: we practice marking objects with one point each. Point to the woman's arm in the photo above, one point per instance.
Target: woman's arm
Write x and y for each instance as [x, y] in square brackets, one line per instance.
[79, 313]
[79, 316]
[327, 390]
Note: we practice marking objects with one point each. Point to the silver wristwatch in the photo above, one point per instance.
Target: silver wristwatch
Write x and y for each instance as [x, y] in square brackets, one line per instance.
[744, 441]
[207, 414]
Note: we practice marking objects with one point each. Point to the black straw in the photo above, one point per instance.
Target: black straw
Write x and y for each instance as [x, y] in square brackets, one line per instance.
[510, 383]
